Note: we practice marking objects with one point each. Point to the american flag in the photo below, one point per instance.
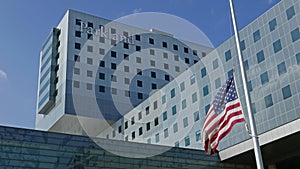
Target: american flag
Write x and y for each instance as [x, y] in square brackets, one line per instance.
[225, 111]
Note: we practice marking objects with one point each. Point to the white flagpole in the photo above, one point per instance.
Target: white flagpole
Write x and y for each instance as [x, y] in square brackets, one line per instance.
[257, 152]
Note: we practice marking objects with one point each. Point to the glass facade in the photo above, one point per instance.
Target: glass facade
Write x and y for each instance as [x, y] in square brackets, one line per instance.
[23, 148]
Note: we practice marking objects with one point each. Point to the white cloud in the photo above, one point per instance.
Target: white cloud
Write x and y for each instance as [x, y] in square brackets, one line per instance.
[137, 10]
[3, 74]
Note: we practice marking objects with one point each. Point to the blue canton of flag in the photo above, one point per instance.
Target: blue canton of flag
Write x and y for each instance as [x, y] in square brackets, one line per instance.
[226, 94]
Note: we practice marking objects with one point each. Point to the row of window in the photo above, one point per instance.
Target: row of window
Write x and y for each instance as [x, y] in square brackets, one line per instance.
[286, 93]
[137, 37]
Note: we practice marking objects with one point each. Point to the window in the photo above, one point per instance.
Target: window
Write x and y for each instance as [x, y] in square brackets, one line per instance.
[102, 76]
[140, 95]
[230, 73]
[166, 133]
[268, 101]
[120, 129]
[192, 80]
[140, 131]
[196, 116]
[205, 90]
[165, 115]
[101, 39]
[173, 93]
[138, 60]
[147, 110]
[90, 36]
[76, 84]
[206, 108]
[77, 46]
[153, 74]
[76, 71]
[256, 36]
[152, 52]
[132, 120]
[126, 125]
[290, 12]
[114, 133]
[246, 65]
[198, 135]
[182, 86]
[78, 22]
[125, 45]
[155, 105]
[277, 46]
[227, 55]
[249, 85]
[187, 60]
[125, 33]
[167, 77]
[148, 126]
[163, 99]
[90, 24]
[76, 58]
[243, 45]
[89, 61]
[175, 47]
[101, 51]
[186, 50]
[187, 141]
[166, 66]
[175, 128]
[133, 135]
[195, 52]
[183, 104]
[164, 44]
[157, 137]
[126, 80]
[137, 48]
[151, 41]
[194, 97]
[185, 122]
[102, 89]
[77, 34]
[126, 57]
[203, 72]
[90, 48]
[102, 63]
[127, 93]
[156, 121]
[264, 78]
[152, 63]
[165, 55]
[174, 111]
[177, 68]
[176, 144]
[113, 66]
[295, 34]
[281, 68]
[218, 83]
[113, 78]
[139, 72]
[286, 92]
[215, 64]
[140, 115]
[137, 37]
[89, 73]
[126, 68]
[113, 31]
[260, 56]
[203, 54]
[139, 83]
[272, 24]
[149, 141]
[154, 86]
[298, 58]
[113, 54]
[253, 108]
[176, 57]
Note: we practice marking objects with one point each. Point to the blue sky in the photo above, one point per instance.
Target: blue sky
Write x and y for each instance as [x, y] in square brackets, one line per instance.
[25, 24]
